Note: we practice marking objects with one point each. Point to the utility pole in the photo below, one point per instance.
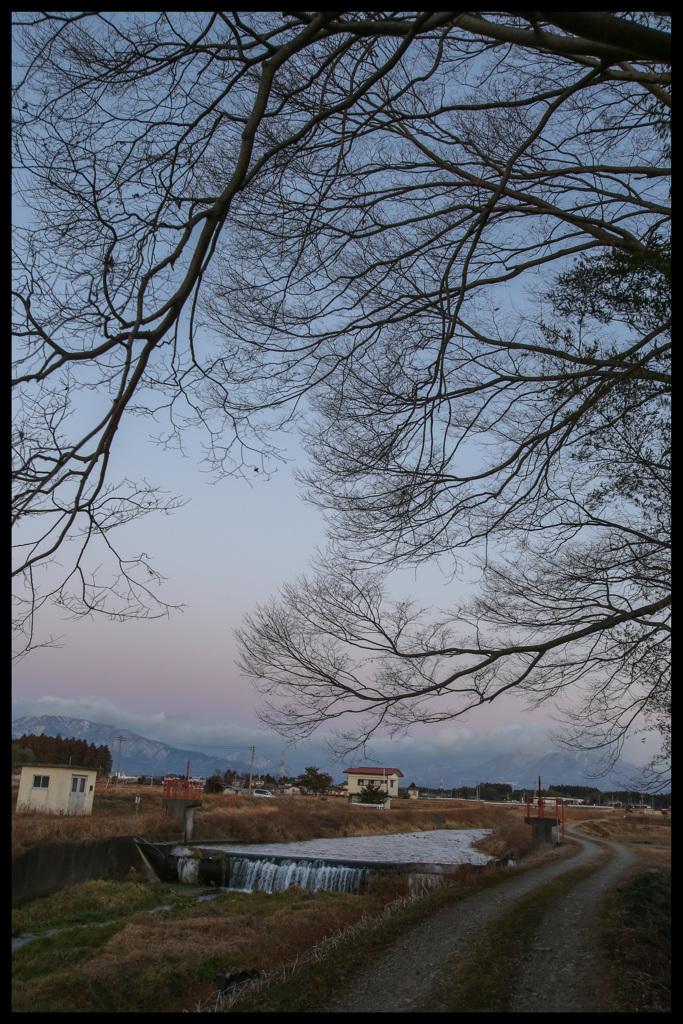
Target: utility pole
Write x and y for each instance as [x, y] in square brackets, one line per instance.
[118, 763]
[251, 769]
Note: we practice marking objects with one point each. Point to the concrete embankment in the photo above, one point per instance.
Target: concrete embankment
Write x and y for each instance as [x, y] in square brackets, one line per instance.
[45, 869]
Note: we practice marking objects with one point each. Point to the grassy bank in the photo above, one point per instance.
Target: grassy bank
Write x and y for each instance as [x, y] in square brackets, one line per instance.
[635, 930]
[112, 955]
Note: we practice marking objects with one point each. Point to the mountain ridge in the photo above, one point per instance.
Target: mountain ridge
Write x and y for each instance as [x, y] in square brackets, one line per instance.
[139, 754]
[143, 756]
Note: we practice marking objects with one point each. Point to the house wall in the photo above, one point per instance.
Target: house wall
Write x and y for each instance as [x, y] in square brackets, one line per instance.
[55, 799]
[388, 783]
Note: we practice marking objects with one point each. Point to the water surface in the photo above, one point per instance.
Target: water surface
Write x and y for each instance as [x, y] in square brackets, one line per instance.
[441, 846]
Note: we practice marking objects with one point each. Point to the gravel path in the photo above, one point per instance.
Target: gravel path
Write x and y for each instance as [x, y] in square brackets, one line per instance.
[560, 973]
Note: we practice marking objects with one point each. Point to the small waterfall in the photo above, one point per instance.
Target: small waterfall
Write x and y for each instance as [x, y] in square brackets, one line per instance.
[275, 876]
[272, 874]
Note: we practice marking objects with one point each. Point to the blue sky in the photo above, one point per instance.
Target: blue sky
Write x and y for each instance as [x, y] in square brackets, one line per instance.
[175, 679]
[233, 544]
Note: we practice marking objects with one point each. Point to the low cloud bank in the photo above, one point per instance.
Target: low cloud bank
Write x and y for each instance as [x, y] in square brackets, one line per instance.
[446, 752]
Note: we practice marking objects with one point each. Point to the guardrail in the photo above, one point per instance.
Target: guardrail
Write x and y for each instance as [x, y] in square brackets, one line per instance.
[182, 789]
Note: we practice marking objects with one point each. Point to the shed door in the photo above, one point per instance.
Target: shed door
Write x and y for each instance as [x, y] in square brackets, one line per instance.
[77, 794]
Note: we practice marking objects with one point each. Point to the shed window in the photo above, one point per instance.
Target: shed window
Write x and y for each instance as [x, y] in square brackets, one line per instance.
[41, 781]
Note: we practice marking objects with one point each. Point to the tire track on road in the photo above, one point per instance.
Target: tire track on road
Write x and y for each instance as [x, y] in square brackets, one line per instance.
[401, 977]
[560, 972]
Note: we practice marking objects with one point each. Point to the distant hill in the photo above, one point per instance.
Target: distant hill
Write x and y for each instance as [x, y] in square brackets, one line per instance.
[142, 756]
[139, 755]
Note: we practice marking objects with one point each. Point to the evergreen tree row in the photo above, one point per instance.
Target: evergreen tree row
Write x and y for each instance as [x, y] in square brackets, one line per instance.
[57, 750]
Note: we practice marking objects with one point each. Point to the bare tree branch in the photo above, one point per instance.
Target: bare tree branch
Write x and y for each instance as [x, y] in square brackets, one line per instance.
[437, 243]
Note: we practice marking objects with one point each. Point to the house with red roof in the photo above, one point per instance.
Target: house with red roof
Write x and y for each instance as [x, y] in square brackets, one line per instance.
[385, 778]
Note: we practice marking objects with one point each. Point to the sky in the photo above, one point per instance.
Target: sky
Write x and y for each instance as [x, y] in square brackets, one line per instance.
[232, 545]
[175, 679]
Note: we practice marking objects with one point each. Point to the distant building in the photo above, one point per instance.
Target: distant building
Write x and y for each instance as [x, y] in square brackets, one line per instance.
[56, 789]
[385, 778]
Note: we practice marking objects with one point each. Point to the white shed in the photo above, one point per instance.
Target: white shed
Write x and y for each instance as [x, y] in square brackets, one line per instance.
[56, 788]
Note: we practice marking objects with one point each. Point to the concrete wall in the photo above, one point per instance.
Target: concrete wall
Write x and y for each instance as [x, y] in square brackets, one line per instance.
[46, 869]
[385, 805]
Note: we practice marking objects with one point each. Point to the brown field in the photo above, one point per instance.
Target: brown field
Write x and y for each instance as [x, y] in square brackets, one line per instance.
[251, 819]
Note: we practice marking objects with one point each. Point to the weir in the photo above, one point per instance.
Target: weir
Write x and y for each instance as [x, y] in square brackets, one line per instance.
[274, 873]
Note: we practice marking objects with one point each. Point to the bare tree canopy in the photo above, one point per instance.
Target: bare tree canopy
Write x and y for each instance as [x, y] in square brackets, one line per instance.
[437, 243]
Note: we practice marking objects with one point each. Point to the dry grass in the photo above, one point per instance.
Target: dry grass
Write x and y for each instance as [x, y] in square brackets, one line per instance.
[167, 961]
[234, 817]
[635, 923]
[35, 828]
[230, 816]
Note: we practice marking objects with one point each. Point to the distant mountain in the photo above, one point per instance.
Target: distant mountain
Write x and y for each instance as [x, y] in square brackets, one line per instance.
[142, 756]
[139, 755]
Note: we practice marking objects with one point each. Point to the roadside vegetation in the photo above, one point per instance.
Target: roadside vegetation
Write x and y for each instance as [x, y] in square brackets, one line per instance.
[635, 934]
[637, 930]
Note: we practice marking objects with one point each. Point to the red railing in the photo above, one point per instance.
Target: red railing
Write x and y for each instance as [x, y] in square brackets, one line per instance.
[182, 789]
[546, 807]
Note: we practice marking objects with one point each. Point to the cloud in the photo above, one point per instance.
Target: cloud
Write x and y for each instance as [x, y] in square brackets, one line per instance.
[178, 730]
[425, 754]
[460, 746]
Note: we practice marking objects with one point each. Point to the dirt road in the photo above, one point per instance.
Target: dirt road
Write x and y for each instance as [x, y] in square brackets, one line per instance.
[558, 972]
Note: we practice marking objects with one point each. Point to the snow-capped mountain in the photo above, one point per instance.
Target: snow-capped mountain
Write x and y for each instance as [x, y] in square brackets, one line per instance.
[142, 756]
[139, 755]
